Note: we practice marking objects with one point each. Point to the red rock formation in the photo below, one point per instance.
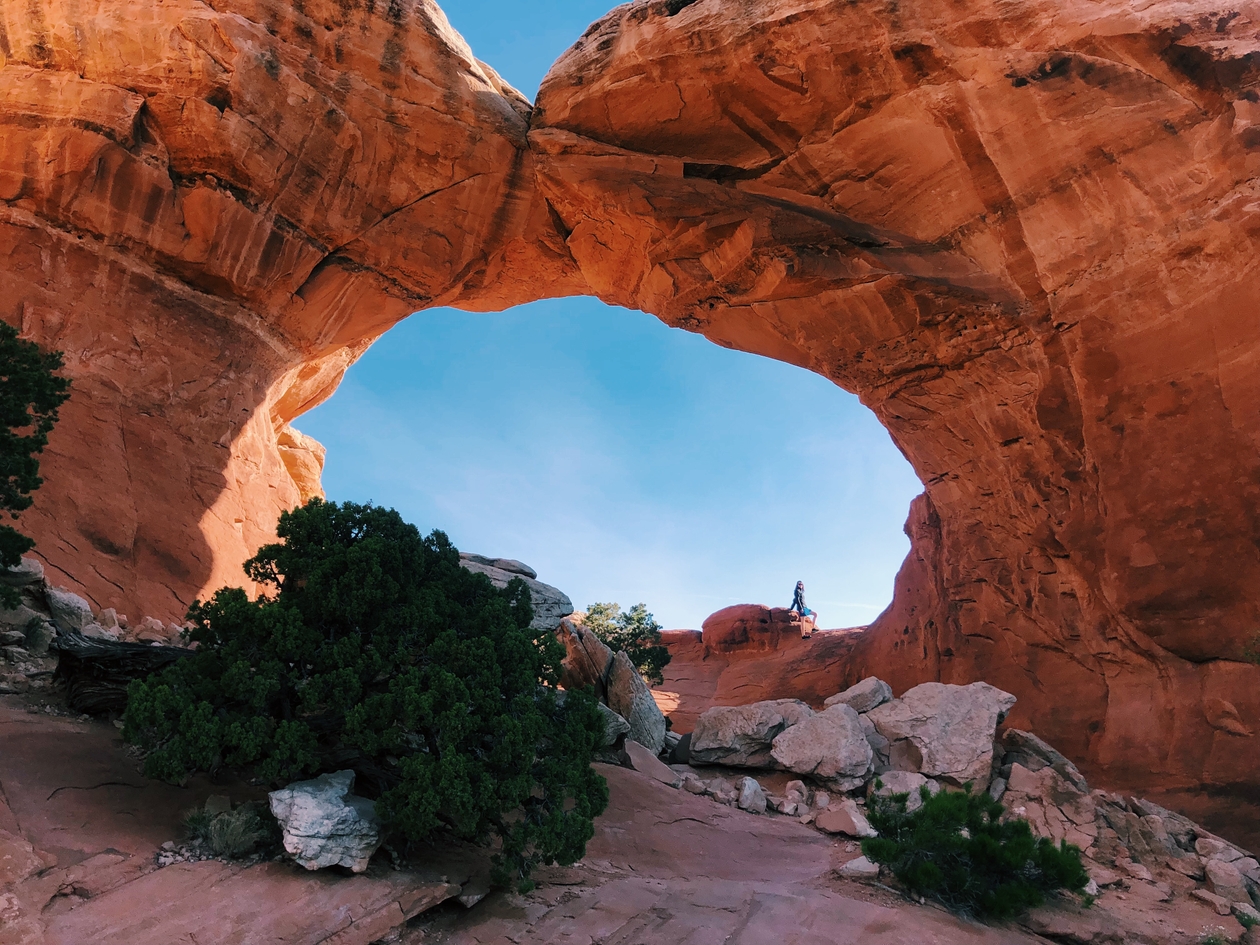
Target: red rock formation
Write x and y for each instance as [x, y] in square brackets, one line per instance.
[1025, 236]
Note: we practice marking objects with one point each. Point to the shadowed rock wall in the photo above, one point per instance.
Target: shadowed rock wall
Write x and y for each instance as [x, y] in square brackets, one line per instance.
[1025, 235]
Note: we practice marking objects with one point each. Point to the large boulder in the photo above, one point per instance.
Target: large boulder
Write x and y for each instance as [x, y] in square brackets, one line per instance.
[551, 605]
[863, 697]
[325, 825]
[944, 731]
[910, 783]
[29, 572]
[743, 735]
[614, 726]
[830, 747]
[69, 610]
[630, 697]
[1025, 748]
[750, 627]
[587, 658]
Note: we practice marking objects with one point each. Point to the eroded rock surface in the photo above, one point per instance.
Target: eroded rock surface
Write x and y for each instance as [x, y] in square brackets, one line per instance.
[1027, 242]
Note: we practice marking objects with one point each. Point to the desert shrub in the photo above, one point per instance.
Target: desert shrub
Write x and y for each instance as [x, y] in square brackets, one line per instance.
[233, 833]
[31, 391]
[635, 631]
[956, 850]
[374, 650]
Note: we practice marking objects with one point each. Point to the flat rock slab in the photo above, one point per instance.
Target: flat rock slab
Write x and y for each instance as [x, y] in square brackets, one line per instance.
[212, 903]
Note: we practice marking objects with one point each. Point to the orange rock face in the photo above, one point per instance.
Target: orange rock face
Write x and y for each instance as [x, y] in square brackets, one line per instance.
[1026, 236]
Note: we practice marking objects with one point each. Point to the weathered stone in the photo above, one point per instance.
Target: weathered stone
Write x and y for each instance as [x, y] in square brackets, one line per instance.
[747, 628]
[630, 697]
[742, 736]
[829, 747]
[643, 761]
[1225, 880]
[587, 658]
[1214, 848]
[69, 610]
[1245, 913]
[325, 825]
[751, 796]
[29, 572]
[863, 697]
[844, 817]
[614, 726]
[903, 782]
[551, 605]
[1034, 754]
[95, 631]
[1220, 904]
[997, 788]
[861, 868]
[949, 728]
[821, 801]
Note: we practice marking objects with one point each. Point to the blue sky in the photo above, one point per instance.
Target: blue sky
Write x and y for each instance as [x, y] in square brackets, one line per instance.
[624, 460]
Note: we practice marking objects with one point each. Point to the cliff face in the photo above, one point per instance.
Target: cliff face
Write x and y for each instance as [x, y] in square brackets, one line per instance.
[1026, 236]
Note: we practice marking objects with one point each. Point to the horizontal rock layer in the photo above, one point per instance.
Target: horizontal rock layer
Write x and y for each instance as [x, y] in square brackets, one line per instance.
[1025, 237]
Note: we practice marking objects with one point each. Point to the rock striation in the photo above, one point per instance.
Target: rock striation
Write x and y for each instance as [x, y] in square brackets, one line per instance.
[1027, 242]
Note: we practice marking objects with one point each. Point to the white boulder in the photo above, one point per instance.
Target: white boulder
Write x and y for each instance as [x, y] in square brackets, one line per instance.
[829, 746]
[325, 825]
[69, 610]
[863, 697]
[751, 797]
[742, 735]
[944, 731]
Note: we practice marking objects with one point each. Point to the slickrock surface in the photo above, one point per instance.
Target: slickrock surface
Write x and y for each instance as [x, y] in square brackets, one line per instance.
[79, 828]
[1025, 236]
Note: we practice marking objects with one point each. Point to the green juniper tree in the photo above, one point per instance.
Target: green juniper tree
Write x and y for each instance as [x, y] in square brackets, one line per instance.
[30, 393]
[635, 631]
[374, 650]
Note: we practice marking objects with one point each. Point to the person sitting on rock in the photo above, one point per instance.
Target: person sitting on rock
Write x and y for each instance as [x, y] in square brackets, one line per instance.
[809, 619]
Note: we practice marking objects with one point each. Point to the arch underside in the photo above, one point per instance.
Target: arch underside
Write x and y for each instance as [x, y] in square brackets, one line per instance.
[1027, 242]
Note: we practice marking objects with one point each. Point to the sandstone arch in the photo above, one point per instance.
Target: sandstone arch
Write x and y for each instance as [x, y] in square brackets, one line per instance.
[1026, 238]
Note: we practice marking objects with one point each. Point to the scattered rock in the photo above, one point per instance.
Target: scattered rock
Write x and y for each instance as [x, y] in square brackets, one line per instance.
[1136, 870]
[1221, 905]
[863, 697]
[1104, 877]
[742, 735]
[325, 825]
[903, 782]
[948, 729]
[844, 817]
[822, 800]
[861, 868]
[1025, 748]
[1245, 913]
[94, 631]
[693, 785]
[997, 788]
[69, 611]
[751, 797]
[645, 762]
[829, 747]
[630, 697]
[1213, 848]
[1225, 880]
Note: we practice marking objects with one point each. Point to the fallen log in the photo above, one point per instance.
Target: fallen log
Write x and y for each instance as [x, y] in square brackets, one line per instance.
[97, 672]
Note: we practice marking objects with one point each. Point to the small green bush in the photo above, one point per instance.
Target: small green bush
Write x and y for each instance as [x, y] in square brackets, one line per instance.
[635, 631]
[956, 850]
[232, 834]
[30, 393]
[374, 650]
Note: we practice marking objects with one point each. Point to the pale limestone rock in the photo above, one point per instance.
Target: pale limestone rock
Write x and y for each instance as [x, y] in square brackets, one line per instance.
[69, 610]
[551, 605]
[861, 868]
[325, 825]
[630, 697]
[742, 735]
[943, 730]
[751, 796]
[863, 697]
[829, 747]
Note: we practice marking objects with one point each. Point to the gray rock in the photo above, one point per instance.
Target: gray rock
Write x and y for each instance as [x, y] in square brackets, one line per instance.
[29, 572]
[863, 697]
[325, 825]
[829, 747]
[903, 782]
[681, 753]
[1226, 881]
[997, 788]
[551, 605]
[742, 735]
[861, 868]
[944, 731]
[69, 611]
[879, 744]
[95, 631]
[614, 726]
[751, 797]
[630, 697]
[1030, 751]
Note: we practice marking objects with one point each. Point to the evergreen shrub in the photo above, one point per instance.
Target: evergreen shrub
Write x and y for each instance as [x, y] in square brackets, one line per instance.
[372, 649]
[635, 631]
[957, 850]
